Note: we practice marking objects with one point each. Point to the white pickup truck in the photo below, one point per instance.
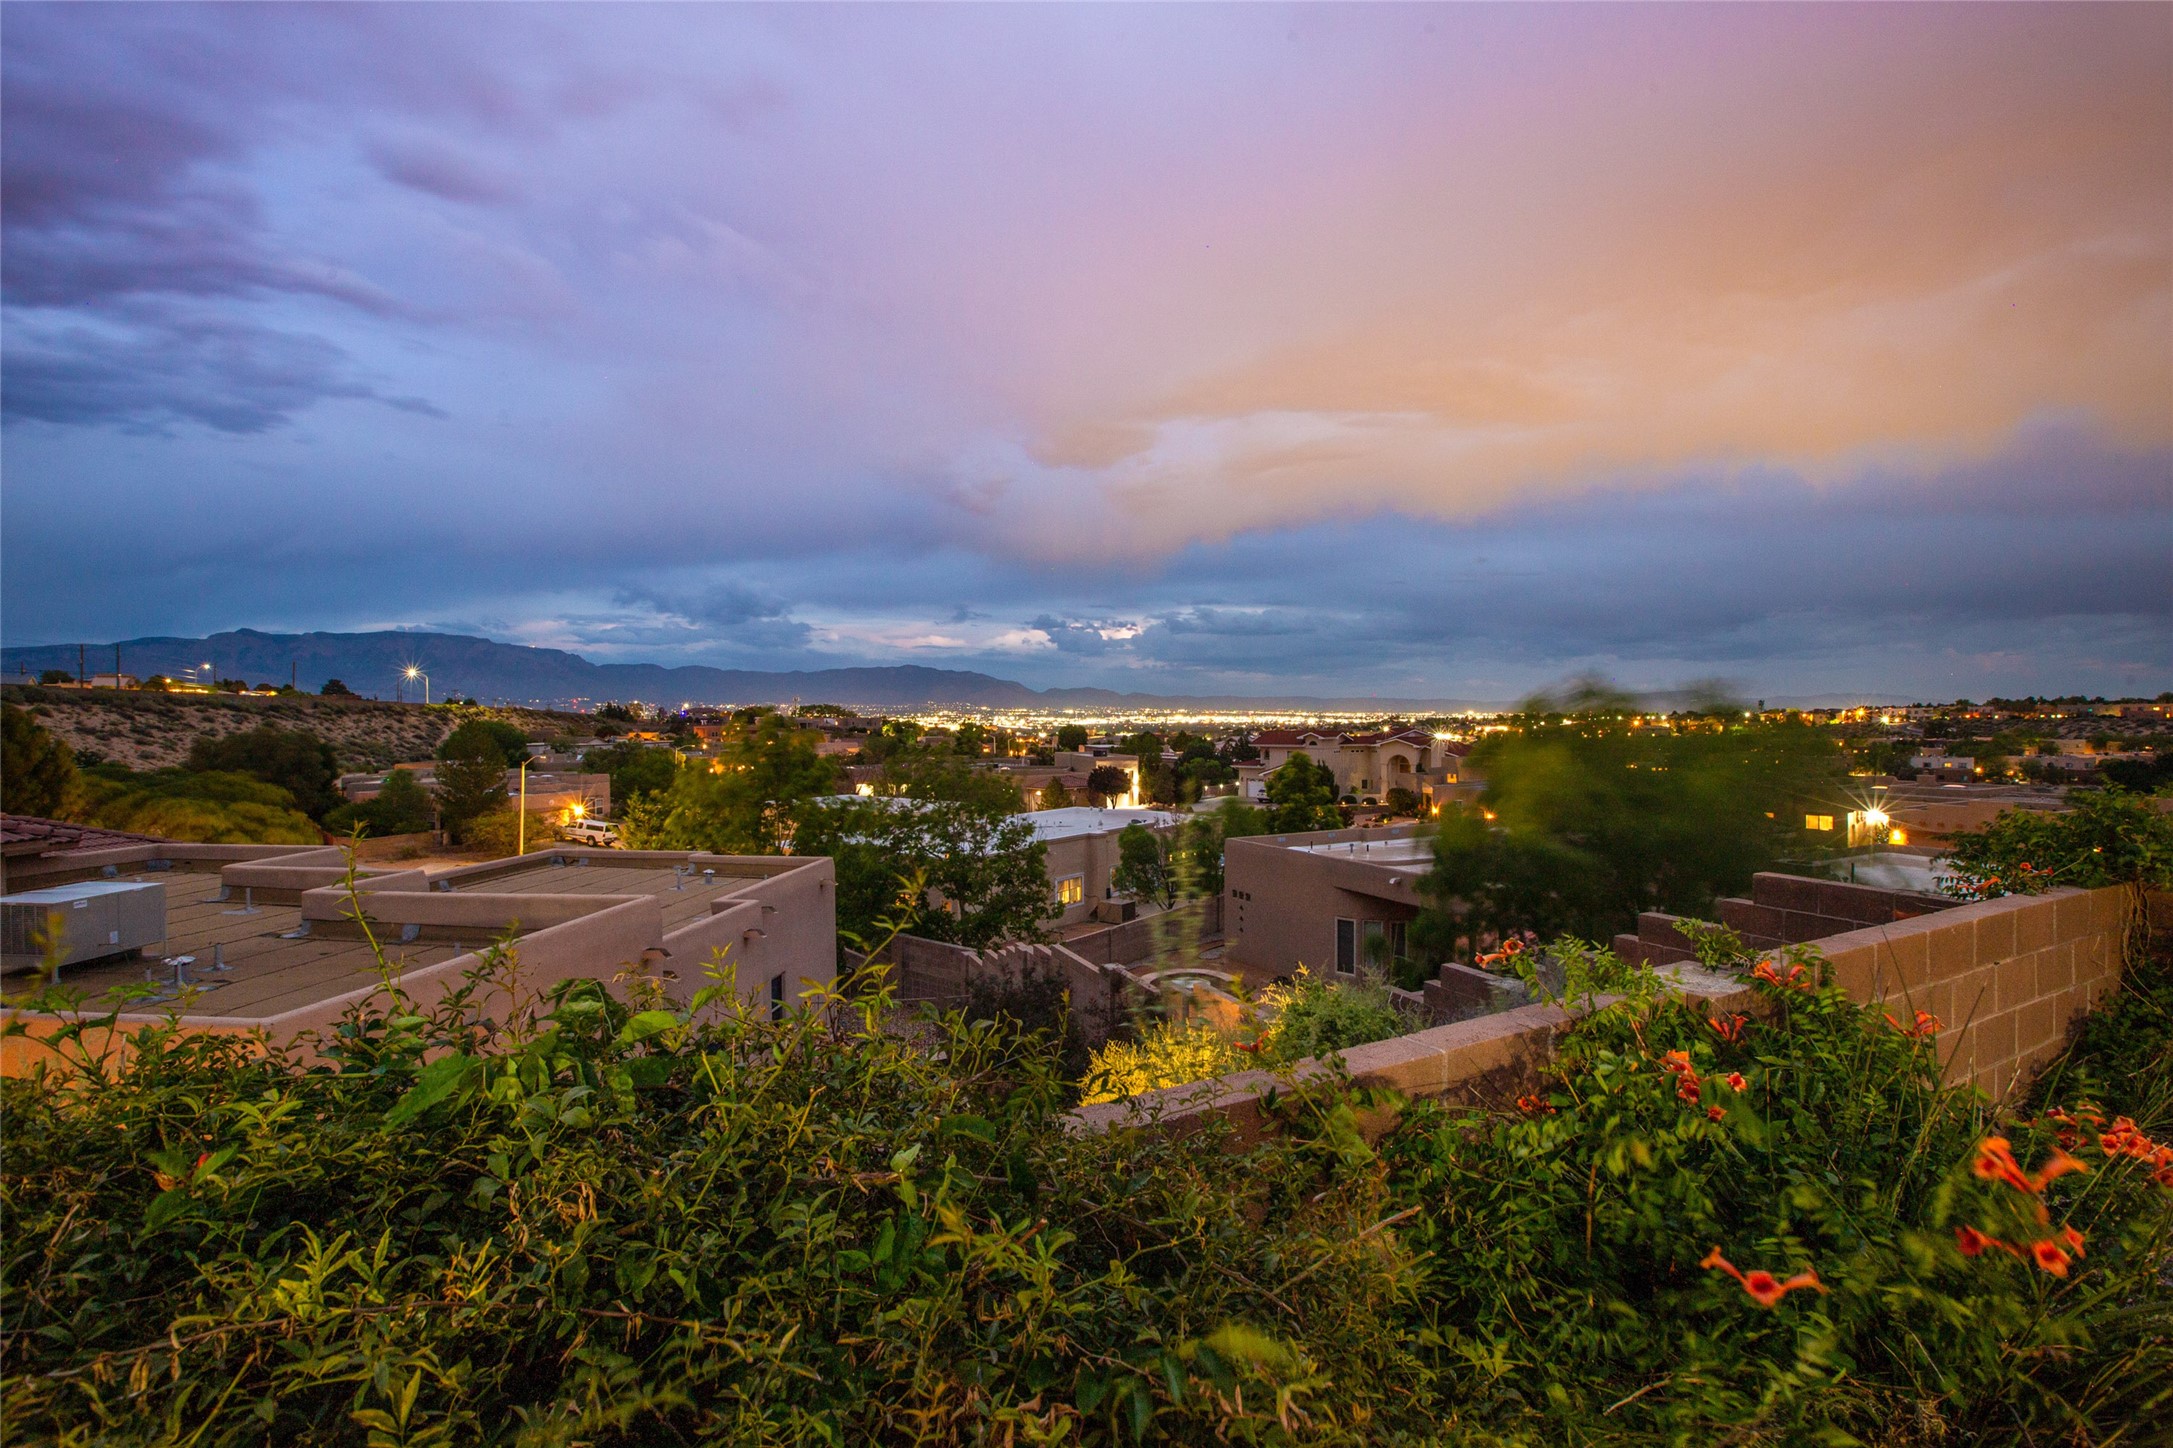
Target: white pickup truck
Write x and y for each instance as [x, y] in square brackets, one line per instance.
[591, 832]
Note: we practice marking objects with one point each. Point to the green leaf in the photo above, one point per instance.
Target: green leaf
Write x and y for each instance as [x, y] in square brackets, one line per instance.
[646, 1024]
[439, 1080]
[165, 1207]
[976, 1126]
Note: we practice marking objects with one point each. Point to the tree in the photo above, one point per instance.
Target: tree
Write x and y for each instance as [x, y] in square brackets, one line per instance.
[741, 802]
[1301, 797]
[921, 771]
[1144, 868]
[1401, 801]
[510, 743]
[36, 770]
[56, 676]
[1105, 782]
[617, 712]
[1199, 863]
[402, 807]
[1072, 737]
[334, 689]
[294, 759]
[1598, 821]
[157, 684]
[1054, 795]
[984, 875]
[471, 780]
[637, 770]
[971, 739]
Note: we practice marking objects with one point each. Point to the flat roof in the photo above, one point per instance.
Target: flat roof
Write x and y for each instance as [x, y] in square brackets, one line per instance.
[684, 898]
[1410, 850]
[265, 973]
[1064, 824]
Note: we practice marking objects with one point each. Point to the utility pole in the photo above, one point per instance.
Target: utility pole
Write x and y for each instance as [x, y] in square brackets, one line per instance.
[82, 669]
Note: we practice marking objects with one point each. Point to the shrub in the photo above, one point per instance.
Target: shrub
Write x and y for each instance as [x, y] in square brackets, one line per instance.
[2109, 837]
[1292, 1020]
[294, 759]
[179, 804]
[37, 772]
[610, 1221]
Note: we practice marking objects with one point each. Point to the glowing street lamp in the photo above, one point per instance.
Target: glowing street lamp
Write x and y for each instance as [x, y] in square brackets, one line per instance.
[413, 673]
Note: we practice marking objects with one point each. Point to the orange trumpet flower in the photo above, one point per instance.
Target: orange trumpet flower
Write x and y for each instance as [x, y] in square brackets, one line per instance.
[1763, 1288]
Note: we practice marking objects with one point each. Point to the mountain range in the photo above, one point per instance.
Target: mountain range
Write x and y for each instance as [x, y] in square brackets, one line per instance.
[460, 665]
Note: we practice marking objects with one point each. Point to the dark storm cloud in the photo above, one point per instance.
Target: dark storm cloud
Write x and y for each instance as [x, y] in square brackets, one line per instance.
[147, 366]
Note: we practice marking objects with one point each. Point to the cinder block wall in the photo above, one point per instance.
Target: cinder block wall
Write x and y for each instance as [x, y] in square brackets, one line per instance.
[2006, 977]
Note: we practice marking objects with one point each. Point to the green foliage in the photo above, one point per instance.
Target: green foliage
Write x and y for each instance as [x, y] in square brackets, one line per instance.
[1144, 868]
[1403, 802]
[37, 771]
[469, 738]
[1291, 1021]
[1054, 795]
[1313, 1016]
[637, 770]
[401, 807]
[2108, 837]
[470, 780]
[920, 770]
[1569, 1282]
[181, 804]
[743, 801]
[985, 875]
[1200, 841]
[612, 1225]
[616, 1222]
[334, 689]
[1106, 782]
[499, 833]
[1072, 737]
[55, 676]
[297, 761]
[1598, 820]
[1301, 797]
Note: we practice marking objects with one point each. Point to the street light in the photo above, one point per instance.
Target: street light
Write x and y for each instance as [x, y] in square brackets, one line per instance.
[414, 673]
[520, 846]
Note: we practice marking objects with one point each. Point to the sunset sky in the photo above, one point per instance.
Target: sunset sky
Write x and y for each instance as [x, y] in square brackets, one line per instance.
[1410, 350]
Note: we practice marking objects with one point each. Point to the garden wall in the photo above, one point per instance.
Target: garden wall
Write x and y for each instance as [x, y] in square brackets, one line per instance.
[2007, 978]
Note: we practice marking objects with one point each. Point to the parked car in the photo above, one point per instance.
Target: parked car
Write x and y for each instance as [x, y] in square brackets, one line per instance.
[591, 832]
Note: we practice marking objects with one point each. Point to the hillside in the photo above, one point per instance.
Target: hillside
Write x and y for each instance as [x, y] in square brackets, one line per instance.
[150, 731]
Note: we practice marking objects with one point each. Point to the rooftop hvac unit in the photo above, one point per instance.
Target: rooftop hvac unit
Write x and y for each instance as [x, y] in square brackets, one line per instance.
[92, 920]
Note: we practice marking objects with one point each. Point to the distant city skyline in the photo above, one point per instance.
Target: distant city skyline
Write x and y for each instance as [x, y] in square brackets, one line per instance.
[1415, 351]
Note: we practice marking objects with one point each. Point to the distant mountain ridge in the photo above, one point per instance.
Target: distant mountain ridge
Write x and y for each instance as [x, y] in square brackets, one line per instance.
[459, 664]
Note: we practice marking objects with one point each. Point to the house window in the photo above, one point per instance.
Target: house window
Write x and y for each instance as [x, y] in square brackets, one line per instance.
[1818, 822]
[777, 997]
[1071, 890]
[1375, 940]
[1398, 939]
[1346, 947]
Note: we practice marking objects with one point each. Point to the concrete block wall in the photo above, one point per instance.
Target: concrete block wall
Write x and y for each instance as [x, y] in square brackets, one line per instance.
[2006, 977]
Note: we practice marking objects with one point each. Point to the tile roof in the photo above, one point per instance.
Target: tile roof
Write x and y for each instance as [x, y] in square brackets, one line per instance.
[29, 835]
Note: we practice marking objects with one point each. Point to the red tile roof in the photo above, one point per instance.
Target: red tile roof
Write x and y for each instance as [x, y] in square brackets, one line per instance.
[29, 835]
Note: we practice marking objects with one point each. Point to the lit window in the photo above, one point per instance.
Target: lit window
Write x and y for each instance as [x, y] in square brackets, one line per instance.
[1071, 890]
[1818, 822]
